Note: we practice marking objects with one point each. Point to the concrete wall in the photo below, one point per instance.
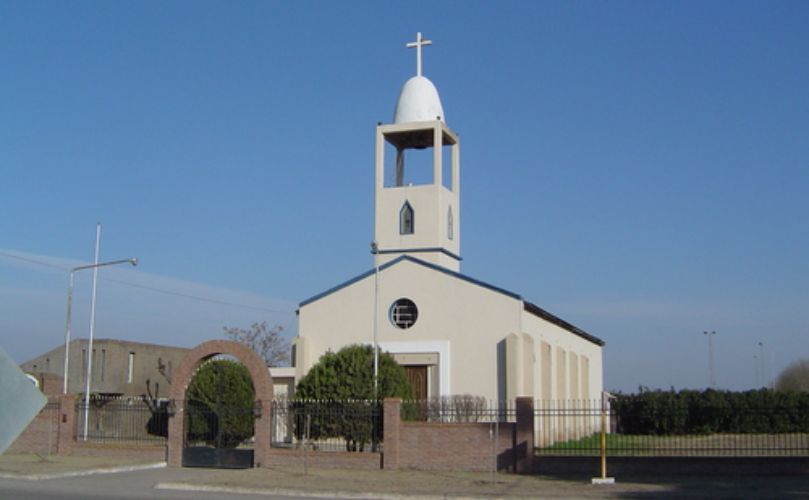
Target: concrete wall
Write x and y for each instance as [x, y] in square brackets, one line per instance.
[573, 360]
[151, 363]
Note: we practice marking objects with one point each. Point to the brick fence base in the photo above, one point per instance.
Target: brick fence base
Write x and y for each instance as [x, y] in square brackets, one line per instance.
[461, 446]
[696, 466]
[51, 431]
[146, 452]
[323, 459]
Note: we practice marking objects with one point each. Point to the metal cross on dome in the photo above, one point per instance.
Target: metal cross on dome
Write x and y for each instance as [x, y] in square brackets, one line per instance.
[420, 42]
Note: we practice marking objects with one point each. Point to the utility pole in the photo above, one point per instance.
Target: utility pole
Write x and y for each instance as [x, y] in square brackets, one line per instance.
[764, 375]
[711, 370]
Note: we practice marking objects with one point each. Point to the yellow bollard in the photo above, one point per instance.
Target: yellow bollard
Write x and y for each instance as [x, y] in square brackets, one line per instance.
[604, 479]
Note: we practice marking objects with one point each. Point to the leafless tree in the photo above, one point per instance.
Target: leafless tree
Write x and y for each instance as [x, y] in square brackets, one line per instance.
[795, 377]
[265, 340]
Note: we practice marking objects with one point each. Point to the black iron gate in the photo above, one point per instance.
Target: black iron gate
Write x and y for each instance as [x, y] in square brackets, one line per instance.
[210, 440]
[217, 432]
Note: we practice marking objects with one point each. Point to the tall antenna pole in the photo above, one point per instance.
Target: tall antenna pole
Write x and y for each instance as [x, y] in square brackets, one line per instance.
[67, 330]
[762, 360]
[375, 250]
[711, 370]
[92, 328]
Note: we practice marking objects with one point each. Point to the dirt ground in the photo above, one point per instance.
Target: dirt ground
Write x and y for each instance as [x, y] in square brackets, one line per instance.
[421, 484]
[484, 485]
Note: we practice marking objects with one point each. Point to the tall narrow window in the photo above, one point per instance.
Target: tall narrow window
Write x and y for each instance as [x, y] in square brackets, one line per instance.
[407, 218]
[131, 375]
[450, 224]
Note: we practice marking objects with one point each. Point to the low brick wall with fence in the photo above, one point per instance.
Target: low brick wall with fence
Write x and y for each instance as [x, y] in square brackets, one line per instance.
[459, 433]
[127, 430]
[51, 431]
[42, 434]
[460, 446]
[672, 466]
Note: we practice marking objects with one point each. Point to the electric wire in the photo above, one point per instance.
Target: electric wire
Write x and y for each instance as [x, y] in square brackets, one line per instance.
[151, 288]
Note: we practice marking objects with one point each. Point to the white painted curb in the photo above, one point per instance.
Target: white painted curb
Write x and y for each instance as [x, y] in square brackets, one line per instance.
[87, 472]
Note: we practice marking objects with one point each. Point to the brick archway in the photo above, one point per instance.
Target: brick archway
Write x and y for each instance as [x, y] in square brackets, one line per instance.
[262, 382]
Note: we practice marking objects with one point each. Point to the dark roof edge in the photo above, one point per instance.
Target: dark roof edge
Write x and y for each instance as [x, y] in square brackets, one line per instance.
[344, 284]
[395, 261]
[421, 250]
[463, 277]
[542, 313]
[527, 306]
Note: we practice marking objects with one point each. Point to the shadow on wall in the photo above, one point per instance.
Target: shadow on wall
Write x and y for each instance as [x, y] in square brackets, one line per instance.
[502, 391]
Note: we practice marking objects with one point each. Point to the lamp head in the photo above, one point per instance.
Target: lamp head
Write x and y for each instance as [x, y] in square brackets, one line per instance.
[134, 261]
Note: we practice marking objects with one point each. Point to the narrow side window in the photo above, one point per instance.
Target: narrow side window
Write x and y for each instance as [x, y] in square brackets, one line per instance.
[131, 372]
[406, 219]
[450, 224]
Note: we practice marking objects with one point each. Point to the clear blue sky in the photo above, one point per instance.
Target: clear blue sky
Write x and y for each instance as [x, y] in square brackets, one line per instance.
[640, 169]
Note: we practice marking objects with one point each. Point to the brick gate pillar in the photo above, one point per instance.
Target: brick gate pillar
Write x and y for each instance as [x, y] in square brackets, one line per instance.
[263, 432]
[392, 421]
[66, 416]
[174, 451]
[524, 450]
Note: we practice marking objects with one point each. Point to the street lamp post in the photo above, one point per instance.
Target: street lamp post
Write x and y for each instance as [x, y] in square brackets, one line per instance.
[711, 371]
[133, 261]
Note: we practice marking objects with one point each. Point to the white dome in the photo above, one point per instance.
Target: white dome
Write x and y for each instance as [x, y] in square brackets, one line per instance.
[418, 102]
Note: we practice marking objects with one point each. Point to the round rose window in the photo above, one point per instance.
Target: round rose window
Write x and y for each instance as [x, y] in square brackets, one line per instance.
[403, 313]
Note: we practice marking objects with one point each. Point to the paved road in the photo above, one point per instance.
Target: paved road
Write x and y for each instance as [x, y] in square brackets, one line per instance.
[125, 485]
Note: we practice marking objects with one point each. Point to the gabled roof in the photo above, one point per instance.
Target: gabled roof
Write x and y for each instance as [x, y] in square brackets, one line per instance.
[527, 306]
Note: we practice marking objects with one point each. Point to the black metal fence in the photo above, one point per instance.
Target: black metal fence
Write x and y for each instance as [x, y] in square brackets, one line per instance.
[573, 428]
[219, 426]
[327, 425]
[457, 409]
[219, 436]
[136, 420]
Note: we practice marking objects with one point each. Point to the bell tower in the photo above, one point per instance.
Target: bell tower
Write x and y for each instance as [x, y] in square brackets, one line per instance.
[417, 182]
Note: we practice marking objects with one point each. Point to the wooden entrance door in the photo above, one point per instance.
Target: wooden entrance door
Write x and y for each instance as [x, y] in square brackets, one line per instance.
[418, 379]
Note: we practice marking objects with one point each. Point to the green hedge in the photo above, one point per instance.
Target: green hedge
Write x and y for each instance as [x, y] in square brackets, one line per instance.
[710, 411]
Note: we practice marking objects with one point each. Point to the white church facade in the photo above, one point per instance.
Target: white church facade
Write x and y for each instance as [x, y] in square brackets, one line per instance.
[453, 334]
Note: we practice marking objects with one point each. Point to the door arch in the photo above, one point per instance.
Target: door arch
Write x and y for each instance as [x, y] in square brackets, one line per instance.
[262, 383]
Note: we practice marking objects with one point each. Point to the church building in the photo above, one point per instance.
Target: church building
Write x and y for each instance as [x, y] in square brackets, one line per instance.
[454, 334]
